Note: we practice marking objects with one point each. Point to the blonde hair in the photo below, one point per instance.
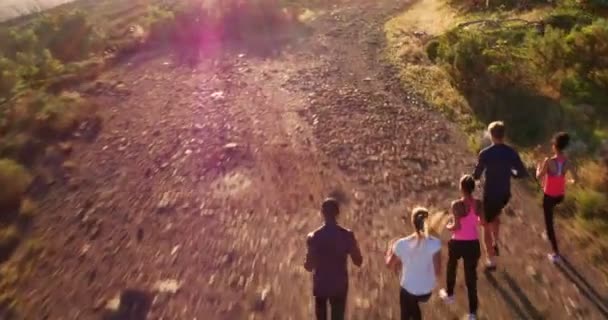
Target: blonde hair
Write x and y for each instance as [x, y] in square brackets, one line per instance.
[497, 130]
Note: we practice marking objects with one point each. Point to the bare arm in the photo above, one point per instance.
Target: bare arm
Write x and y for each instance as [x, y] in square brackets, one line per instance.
[355, 252]
[541, 168]
[310, 261]
[569, 169]
[456, 214]
[392, 260]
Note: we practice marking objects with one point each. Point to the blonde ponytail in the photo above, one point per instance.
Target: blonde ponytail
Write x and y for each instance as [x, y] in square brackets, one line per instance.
[420, 218]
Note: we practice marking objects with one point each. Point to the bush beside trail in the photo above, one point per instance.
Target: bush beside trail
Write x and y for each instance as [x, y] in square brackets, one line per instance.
[540, 77]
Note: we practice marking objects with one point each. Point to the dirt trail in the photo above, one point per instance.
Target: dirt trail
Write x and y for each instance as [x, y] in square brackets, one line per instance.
[205, 182]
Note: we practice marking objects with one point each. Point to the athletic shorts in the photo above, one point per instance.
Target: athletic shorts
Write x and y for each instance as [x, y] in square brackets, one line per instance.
[493, 205]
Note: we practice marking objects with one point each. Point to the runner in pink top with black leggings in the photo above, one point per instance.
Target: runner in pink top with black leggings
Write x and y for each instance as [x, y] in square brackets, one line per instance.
[464, 244]
[552, 172]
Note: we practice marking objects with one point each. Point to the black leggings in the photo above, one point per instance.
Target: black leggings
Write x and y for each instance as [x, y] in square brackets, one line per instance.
[410, 310]
[549, 203]
[470, 252]
[338, 306]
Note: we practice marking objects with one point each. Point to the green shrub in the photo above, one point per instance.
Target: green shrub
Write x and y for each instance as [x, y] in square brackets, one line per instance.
[567, 18]
[9, 78]
[160, 24]
[59, 115]
[15, 180]
[432, 49]
[589, 204]
[69, 36]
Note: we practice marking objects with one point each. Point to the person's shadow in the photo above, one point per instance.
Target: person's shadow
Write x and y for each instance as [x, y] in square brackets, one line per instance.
[527, 309]
[600, 302]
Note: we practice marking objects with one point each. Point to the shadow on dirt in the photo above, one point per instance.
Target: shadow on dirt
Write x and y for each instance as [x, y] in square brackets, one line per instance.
[134, 305]
[527, 309]
[584, 286]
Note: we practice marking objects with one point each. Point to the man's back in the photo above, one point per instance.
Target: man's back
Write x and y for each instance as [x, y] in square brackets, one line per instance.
[498, 161]
[328, 251]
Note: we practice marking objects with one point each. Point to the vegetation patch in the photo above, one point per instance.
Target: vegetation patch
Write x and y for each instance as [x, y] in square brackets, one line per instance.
[15, 180]
[540, 68]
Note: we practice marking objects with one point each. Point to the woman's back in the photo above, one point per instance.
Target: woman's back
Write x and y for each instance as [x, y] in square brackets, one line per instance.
[468, 223]
[555, 179]
[416, 255]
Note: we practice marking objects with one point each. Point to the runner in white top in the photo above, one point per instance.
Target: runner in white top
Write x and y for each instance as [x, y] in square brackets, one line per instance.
[420, 260]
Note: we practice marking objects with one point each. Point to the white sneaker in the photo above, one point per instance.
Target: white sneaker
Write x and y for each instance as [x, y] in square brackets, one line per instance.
[470, 316]
[443, 294]
[490, 265]
[554, 257]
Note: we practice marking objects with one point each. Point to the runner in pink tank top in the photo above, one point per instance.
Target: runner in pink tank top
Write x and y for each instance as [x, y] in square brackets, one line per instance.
[552, 172]
[464, 244]
[468, 224]
[554, 184]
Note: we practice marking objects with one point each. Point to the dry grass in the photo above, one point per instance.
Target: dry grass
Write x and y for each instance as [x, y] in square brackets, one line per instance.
[9, 239]
[28, 209]
[406, 51]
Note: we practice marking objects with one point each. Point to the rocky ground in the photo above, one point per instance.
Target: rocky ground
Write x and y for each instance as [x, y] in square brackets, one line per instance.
[195, 199]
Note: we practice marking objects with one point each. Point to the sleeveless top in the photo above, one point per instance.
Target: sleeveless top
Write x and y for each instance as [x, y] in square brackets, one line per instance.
[555, 182]
[468, 226]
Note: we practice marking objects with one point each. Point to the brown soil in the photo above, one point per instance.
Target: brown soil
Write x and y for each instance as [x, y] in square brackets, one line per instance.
[195, 199]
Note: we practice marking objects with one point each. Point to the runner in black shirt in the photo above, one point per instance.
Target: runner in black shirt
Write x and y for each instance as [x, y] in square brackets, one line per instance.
[499, 162]
[328, 251]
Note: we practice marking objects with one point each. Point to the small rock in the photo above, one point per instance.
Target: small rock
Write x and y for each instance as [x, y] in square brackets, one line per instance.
[261, 300]
[167, 286]
[359, 196]
[113, 304]
[231, 146]
[218, 96]
[368, 79]
[532, 273]
[188, 152]
[85, 249]
[95, 232]
[207, 213]
[175, 250]
[167, 201]
[65, 147]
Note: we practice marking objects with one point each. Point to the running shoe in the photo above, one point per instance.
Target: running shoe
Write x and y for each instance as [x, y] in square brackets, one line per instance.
[554, 257]
[490, 265]
[470, 316]
[447, 299]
